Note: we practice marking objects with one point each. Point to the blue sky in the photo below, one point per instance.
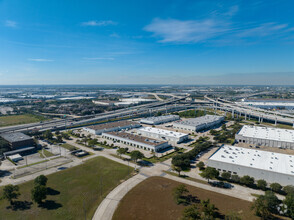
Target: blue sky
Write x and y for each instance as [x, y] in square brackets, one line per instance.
[146, 42]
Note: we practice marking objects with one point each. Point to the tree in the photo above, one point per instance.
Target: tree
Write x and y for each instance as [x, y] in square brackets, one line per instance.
[136, 155]
[235, 178]
[276, 187]
[41, 180]
[38, 193]
[226, 175]
[177, 169]
[92, 142]
[11, 192]
[179, 161]
[260, 207]
[201, 165]
[272, 201]
[191, 213]
[289, 202]
[48, 135]
[289, 189]
[65, 135]
[121, 151]
[178, 193]
[247, 180]
[209, 173]
[85, 140]
[59, 138]
[261, 184]
[232, 216]
[57, 132]
[209, 211]
[224, 127]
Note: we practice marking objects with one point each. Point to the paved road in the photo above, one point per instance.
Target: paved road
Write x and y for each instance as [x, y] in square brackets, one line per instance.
[108, 206]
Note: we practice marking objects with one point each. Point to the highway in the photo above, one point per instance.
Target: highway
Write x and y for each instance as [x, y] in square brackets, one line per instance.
[249, 111]
[64, 123]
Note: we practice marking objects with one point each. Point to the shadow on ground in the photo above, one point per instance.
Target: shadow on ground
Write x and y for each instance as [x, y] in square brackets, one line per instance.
[20, 205]
[52, 192]
[50, 205]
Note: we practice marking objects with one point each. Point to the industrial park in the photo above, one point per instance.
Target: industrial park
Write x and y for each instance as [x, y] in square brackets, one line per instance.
[146, 110]
[153, 139]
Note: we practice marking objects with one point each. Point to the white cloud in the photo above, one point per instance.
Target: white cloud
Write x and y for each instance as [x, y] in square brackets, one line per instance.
[263, 30]
[98, 23]
[98, 58]
[214, 29]
[39, 60]
[9, 23]
[172, 30]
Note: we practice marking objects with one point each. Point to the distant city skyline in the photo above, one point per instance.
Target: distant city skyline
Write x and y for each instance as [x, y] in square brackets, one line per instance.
[163, 42]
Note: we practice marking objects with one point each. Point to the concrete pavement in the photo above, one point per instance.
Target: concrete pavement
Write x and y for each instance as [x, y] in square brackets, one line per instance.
[108, 206]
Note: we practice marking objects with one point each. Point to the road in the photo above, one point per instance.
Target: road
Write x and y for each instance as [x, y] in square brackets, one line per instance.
[248, 111]
[108, 206]
[64, 123]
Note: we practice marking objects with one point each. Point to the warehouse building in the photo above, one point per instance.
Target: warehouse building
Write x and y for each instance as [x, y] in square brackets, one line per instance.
[112, 126]
[199, 123]
[160, 119]
[170, 136]
[18, 140]
[136, 141]
[272, 167]
[265, 136]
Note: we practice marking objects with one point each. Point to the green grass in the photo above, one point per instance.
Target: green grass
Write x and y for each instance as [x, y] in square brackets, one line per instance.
[187, 177]
[163, 158]
[69, 147]
[46, 153]
[75, 188]
[10, 120]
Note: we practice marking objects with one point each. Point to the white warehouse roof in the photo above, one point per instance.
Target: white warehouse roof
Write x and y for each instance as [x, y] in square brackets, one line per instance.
[276, 134]
[264, 160]
[200, 120]
[161, 118]
[162, 132]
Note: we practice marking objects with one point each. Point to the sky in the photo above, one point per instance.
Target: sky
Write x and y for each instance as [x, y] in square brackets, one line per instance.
[147, 42]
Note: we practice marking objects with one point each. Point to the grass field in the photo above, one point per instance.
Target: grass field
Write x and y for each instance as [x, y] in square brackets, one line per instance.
[19, 119]
[71, 191]
[69, 147]
[46, 153]
[152, 199]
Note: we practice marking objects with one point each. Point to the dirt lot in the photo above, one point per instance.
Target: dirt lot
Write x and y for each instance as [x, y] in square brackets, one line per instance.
[152, 199]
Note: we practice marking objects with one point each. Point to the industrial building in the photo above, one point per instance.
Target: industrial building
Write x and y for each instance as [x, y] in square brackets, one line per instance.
[18, 140]
[265, 136]
[272, 167]
[136, 141]
[159, 119]
[170, 136]
[269, 104]
[112, 126]
[199, 123]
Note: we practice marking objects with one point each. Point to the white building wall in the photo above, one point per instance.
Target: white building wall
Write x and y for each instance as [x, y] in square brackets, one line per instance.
[269, 176]
[264, 142]
[136, 143]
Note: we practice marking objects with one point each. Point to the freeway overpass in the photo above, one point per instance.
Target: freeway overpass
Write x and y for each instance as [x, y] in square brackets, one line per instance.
[249, 112]
[64, 123]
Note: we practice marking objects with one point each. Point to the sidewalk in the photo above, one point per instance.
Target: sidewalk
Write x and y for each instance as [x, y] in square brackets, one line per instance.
[108, 206]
